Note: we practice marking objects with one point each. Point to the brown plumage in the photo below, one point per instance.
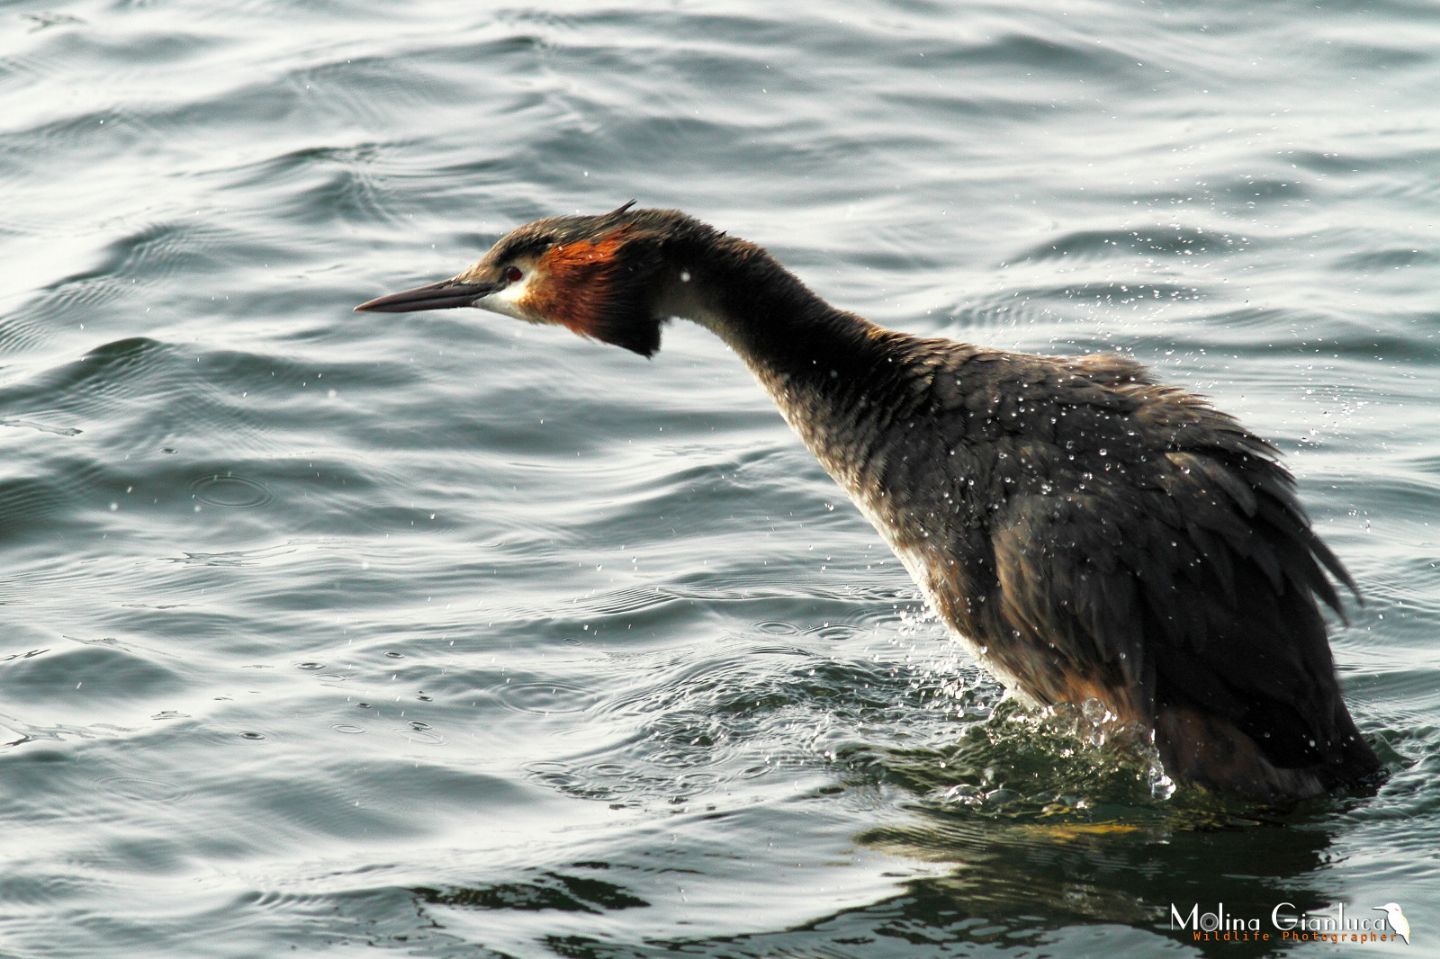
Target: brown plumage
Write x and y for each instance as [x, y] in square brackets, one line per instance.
[1091, 533]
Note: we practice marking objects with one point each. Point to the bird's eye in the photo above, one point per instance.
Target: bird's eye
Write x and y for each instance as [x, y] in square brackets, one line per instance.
[512, 274]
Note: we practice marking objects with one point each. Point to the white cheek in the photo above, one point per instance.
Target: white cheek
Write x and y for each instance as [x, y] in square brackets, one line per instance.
[506, 301]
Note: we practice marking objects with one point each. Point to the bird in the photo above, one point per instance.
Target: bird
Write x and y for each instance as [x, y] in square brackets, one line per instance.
[1089, 532]
[1396, 917]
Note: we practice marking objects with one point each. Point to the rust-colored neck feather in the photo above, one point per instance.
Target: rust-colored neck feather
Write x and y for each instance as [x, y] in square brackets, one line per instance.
[579, 279]
[600, 287]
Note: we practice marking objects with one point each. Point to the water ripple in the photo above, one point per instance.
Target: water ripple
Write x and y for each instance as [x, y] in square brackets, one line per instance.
[545, 698]
[439, 633]
[230, 491]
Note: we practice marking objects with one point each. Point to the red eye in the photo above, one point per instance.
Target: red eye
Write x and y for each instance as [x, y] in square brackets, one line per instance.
[512, 274]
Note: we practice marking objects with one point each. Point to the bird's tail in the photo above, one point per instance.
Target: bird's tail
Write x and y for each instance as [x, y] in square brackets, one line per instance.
[1214, 751]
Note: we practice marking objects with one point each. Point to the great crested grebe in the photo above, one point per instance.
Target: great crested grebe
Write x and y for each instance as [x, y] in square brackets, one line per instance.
[1091, 534]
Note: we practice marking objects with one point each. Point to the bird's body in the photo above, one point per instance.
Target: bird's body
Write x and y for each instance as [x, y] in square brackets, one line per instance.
[1090, 533]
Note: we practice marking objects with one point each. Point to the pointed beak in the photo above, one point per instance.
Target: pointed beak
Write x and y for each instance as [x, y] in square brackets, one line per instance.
[445, 295]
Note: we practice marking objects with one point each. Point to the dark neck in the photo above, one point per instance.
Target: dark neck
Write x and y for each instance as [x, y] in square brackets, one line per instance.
[782, 330]
[840, 381]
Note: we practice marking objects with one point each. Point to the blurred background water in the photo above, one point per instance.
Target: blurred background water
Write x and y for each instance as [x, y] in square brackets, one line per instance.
[440, 635]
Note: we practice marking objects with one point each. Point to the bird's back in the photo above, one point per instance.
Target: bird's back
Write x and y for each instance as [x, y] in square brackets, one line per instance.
[1101, 536]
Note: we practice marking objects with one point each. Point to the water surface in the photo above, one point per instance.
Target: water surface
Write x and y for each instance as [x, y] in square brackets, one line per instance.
[440, 635]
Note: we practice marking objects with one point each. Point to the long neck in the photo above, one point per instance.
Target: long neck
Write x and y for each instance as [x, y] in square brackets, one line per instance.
[838, 379]
[861, 397]
[778, 326]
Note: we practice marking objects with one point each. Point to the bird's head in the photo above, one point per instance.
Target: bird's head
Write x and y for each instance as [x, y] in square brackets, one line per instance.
[596, 275]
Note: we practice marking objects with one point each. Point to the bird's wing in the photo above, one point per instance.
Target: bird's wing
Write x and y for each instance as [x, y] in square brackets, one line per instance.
[1112, 537]
[1179, 567]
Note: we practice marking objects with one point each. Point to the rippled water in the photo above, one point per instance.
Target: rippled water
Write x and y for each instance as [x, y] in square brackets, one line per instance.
[440, 635]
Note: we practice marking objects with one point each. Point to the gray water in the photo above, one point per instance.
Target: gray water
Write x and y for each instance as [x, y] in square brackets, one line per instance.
[440, 635]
